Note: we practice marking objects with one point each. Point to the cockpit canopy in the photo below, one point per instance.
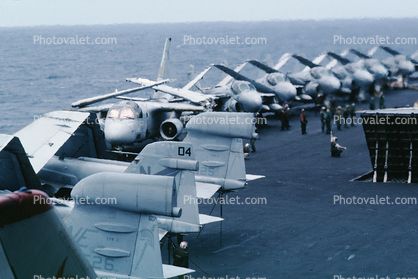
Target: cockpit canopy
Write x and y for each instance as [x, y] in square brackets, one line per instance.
[125, 110]
[275, 78]
[242, 86]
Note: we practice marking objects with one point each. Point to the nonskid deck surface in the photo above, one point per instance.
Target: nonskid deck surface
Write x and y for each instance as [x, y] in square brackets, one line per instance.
[305, 229]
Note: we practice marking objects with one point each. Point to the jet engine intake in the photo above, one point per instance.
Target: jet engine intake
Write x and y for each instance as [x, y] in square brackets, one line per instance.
[171, 129]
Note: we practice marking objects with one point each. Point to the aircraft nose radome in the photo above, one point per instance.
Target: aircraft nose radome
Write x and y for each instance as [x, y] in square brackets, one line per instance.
[330, 84]
[119, 131]
[250, 101]
[287, 91]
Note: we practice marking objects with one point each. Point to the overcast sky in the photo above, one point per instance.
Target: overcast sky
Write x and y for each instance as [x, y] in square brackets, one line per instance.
[74, 12]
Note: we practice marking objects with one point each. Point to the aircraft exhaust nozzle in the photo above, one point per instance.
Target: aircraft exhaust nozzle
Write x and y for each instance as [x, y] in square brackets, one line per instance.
[171, 129]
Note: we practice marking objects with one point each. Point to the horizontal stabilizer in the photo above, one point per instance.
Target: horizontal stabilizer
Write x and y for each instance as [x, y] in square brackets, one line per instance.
[171, 271]
[206, 190]
[251, 177]
[207, 219]
[161, 233]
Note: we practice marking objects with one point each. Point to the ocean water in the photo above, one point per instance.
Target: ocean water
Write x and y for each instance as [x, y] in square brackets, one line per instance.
[36, 78]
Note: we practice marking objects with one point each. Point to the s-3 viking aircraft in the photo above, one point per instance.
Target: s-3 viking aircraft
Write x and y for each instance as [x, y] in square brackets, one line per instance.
[138, 119]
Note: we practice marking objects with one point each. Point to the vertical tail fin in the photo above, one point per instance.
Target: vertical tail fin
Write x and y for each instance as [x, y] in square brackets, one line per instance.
[163, 72]
[35, 242]
[175, 159]
[218, 146]
[117, 228]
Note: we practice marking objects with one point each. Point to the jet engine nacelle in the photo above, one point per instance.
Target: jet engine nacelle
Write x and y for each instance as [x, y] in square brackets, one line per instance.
[171, 128]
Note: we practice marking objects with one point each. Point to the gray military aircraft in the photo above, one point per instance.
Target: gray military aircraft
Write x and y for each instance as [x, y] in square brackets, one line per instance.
[399, 64]
[316, 79]
[374, 66]
[218, 150]
[283, 90]
[361, 78]
[280, 83]
[214, 139]
[114, 239]
[137, 119]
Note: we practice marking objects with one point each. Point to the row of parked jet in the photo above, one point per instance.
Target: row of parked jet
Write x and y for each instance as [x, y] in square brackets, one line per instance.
[135, 120]
[118, 211]
[68, 153]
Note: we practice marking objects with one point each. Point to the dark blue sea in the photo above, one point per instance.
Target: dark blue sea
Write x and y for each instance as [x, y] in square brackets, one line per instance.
[36, 78]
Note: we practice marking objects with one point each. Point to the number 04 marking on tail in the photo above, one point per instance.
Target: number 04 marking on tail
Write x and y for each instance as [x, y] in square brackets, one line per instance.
[182, 151]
